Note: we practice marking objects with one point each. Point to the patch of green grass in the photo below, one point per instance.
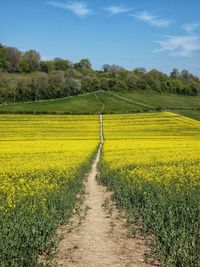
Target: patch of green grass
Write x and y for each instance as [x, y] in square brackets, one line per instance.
[165, 101]
[91, 103]
[127, 98]
[111, 102]
[87, 103]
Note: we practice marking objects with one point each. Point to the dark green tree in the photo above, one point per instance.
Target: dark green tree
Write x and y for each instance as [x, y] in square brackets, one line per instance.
[83, 65]
[30, 61]
[61, 64]
[3, 58]
[174, 73]
[46, 66]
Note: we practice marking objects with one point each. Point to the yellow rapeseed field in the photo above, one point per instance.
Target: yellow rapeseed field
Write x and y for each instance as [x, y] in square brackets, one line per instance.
[152, 163]
[43, 160]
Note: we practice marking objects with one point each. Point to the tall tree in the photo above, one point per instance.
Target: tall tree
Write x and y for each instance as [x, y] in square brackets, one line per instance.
[61, 64]
[106, 67]
[30, 61]
[13, 56]
[83, 64]
[140, 71]
[46, 66]
[3, 58]
[185, 75]
[174, 73]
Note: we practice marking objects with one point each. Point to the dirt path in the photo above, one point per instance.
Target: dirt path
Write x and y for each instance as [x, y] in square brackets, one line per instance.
[103, 105]
[101, 239]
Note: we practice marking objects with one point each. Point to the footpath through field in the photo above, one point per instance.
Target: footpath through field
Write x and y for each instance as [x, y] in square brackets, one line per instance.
[100, 238]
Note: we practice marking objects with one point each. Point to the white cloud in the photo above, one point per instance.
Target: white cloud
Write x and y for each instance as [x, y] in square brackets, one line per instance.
[190, 28]
[194, 65]
[115, 10]
[182, 46]
[78, 8]
[151, 19]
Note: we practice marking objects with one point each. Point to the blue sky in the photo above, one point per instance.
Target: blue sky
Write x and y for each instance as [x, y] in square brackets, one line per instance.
[131, 33]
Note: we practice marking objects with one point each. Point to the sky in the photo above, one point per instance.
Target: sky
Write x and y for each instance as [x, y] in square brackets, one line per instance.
[130, 33]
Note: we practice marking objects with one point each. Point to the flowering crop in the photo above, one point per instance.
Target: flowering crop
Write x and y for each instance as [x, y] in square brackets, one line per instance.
[152, 163]
[43, 160]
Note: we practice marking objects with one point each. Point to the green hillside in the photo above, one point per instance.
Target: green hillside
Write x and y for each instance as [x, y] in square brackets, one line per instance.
[111, 102]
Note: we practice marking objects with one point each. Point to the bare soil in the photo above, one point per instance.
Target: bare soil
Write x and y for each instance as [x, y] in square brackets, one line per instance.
[99, 236]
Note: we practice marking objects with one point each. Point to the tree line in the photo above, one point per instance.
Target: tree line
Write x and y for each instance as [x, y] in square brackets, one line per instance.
[24, 76]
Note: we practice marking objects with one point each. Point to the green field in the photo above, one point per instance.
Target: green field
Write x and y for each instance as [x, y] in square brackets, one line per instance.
[111, 102]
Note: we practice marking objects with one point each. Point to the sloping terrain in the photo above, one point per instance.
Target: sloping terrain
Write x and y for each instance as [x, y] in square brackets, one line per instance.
[111, 102]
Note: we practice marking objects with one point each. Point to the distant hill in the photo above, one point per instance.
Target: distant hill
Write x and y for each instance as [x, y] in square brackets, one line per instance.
[111, 102]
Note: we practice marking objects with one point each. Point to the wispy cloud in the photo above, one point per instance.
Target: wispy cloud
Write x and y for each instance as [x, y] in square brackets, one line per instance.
[78, 8]
[151, 19]
[182, 46]
[194, 65]
[115, 10]
[191, 28]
